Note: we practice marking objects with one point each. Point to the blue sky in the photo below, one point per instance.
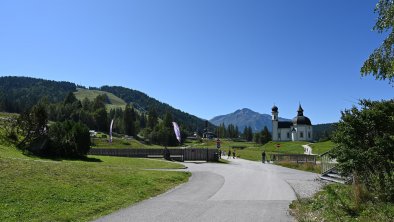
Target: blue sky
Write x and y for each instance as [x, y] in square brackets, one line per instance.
[205, 57]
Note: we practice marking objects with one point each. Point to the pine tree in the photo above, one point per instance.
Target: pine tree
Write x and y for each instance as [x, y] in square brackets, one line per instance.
[128, 120]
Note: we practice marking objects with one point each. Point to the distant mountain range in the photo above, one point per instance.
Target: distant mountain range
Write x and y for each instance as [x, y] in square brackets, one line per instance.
[246, 117]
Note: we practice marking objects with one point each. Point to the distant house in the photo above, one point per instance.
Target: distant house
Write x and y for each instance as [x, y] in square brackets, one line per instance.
[299, 129]
[209, 135]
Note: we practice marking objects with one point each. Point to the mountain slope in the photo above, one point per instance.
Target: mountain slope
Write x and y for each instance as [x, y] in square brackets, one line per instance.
[245, 117]
[143, 102]
[114, 101]
[18, 94]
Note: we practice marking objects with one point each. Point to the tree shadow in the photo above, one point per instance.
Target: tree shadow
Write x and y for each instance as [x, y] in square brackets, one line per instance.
[55, 158]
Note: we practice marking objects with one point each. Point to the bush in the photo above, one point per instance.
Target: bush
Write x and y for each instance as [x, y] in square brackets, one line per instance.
[68, 139]
[366, 146]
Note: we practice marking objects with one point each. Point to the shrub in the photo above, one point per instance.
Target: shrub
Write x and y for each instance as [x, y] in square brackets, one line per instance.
[366, 146]
[68, 139]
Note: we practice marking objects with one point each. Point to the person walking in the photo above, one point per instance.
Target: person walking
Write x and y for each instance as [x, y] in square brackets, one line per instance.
[263, 156]
[229, 154]
[234, 154]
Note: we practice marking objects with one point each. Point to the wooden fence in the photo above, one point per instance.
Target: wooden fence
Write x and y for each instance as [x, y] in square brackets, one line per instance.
[327, 163]
[297, 158]
[186, 154]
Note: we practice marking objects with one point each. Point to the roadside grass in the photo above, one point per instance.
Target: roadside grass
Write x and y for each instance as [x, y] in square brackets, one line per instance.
[314, 168]
[35, 189]
[336, 203]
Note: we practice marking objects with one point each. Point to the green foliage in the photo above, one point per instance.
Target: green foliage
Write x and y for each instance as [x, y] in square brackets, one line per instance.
[143, 102]
[336, 203]
[19, 94]
[67, 139]
[129, 119]
[265, 136]
[101, 119]
[152, 119]
[163, 134]
[380, 62]
[32, 125]
[323, 132]
[365, 139]
[248, 134]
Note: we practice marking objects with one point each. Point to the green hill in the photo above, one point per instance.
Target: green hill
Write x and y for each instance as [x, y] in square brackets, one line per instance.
[18, 94]
[143, 102]
[114, 101]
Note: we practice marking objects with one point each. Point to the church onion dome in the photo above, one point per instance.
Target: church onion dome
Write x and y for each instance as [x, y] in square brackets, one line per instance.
[300, 119]
[274, 109]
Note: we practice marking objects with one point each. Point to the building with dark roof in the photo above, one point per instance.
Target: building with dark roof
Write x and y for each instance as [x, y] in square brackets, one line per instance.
[299, 129]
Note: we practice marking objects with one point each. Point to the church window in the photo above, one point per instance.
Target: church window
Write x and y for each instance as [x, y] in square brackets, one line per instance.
[278, 135]
[301, 134]
[288, 135]
[309, 135]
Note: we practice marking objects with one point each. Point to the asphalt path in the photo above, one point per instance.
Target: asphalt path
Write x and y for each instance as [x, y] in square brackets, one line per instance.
[240, 191]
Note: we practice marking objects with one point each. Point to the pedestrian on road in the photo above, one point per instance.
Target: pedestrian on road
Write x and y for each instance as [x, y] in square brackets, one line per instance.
[229, 154]
[263, 156]
[234, 154]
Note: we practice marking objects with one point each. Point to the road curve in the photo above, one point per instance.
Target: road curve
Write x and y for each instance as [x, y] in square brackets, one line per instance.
[240, 191]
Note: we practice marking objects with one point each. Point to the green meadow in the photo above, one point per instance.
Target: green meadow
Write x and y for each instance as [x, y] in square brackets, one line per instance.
[36, 189]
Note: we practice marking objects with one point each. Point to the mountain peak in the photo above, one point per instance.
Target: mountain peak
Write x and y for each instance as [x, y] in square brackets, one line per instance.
[245, 117]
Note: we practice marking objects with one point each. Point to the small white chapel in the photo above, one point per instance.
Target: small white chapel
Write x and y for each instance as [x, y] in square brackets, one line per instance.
[299, 129]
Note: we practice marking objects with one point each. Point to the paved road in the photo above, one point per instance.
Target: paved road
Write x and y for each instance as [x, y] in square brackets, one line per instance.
[240, 191]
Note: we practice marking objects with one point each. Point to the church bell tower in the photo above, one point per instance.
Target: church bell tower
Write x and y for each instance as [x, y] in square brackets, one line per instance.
[275, 123]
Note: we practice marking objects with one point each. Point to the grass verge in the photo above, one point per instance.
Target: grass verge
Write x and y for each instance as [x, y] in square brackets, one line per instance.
[33, 189]
[336, 203]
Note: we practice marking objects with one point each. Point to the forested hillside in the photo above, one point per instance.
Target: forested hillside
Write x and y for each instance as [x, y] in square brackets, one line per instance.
[144, 103]
[20, 93]
[322, 132]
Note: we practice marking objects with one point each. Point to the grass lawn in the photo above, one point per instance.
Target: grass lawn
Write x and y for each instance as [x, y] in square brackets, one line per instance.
[34, 189]
[254, 153]
[322, 147]
[336, 203]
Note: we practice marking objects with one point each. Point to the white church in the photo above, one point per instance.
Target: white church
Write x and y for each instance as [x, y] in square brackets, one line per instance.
[299, 129]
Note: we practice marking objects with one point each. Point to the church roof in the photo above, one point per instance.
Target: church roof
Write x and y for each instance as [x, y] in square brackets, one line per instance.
[300, 119]
[285, 124]
[274, 109]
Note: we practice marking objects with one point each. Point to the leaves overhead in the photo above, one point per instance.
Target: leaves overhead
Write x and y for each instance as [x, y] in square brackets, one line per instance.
[381, 62]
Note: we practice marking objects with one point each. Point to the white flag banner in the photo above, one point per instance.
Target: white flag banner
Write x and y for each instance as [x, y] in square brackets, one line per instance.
[177, 131]
[110, 131]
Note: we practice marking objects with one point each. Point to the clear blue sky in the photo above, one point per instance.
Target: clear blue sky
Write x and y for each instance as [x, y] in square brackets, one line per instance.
[205, 57]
